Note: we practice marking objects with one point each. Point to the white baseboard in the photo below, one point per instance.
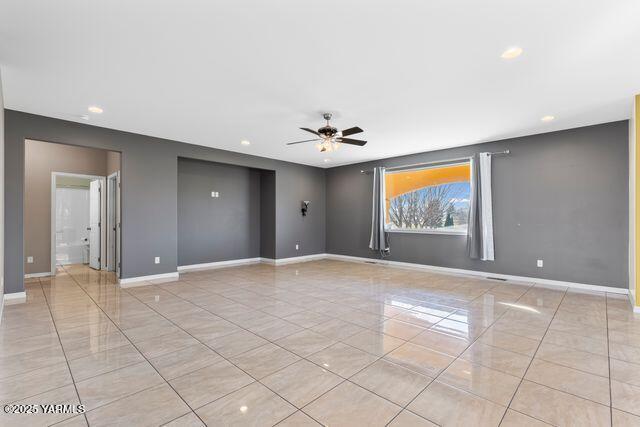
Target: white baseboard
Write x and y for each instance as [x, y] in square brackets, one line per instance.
[632, 301]
[218, 264]
[130, 282]
[482, 274]
[33, 275]
[293, 260]
[15, 297]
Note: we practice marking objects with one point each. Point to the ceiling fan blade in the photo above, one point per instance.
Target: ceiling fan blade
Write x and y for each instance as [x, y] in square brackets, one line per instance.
[311, 130]
[351, 131]
[306, 140]
[352, 141]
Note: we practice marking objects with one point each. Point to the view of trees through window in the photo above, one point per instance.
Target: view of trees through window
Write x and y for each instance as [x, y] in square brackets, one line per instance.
[443, 206]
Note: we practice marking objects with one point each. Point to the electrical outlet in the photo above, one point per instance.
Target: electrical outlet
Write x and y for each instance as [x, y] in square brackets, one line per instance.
[29, 260]
[540, 263]
[157, 260]
[297, 246]
[215, 194]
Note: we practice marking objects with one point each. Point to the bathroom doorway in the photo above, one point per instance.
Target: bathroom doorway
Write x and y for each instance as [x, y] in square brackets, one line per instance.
[78, 210]
[71, 200]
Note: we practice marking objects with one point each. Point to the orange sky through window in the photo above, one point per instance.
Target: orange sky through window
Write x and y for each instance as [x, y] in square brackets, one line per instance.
[397, 183]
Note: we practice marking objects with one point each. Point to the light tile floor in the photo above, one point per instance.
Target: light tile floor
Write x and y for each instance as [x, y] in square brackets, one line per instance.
[320, 342]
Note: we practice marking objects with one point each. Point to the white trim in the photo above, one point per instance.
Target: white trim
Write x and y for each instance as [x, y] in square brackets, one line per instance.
[293, 260]
[129, 281]
[633, 147]
[218, 264]
[112, 185]
[427, 231]
[632, 301]
[15, 296]
[33, 275]
[482, 274]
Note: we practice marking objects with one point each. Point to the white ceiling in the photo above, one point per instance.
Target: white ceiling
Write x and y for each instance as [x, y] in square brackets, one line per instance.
[416, 75]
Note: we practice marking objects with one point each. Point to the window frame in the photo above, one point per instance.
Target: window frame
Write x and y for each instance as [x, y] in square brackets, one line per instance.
[439, 164]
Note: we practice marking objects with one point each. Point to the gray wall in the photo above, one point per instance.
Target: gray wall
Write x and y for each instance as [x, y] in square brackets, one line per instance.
[41, 159]
[149, 173]
[217, 229]
[559, 196]
[1, 201]
[267, 214]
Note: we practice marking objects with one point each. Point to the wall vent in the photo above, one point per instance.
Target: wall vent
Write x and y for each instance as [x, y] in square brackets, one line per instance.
[496, 278]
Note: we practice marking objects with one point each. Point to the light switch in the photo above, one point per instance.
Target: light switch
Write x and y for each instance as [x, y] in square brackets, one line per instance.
[157, 260]
[29, 260]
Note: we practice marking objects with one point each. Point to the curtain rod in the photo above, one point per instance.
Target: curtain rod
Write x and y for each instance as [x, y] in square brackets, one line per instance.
[415, 165]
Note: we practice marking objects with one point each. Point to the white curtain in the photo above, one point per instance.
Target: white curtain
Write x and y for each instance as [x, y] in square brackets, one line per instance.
[480, 229]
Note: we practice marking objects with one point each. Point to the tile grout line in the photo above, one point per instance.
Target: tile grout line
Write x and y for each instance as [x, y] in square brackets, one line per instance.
[381, 357]
[368, 328]
[255, 380]
[456, 358]
[73, 381]
[370, 295]
[305, 358]
[531, 362]
[136, 347]
[347, 379]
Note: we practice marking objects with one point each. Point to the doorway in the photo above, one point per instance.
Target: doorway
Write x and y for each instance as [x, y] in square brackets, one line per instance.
[78, 206]
[67, 208]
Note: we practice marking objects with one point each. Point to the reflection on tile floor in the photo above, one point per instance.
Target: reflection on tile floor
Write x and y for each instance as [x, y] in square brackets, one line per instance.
[324, 342]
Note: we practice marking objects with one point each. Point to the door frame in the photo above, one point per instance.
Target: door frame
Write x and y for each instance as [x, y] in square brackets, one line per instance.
[103, 198]
[113, 184]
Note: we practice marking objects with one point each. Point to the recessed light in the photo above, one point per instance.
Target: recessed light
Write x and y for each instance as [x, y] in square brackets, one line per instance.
[245, 142]
[547, 118]
[512, 53]
[95, 109]
[327, 160]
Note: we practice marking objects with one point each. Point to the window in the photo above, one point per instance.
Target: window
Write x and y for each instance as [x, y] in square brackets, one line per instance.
[433, 199]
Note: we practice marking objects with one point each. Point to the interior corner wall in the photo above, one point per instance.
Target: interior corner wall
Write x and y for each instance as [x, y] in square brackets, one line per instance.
[634, 201]
[149, 174]
[212, 229]
[267, 214]
[41, 159]
[293, 185]
[113, 162]
[559, 196]
[1, 199]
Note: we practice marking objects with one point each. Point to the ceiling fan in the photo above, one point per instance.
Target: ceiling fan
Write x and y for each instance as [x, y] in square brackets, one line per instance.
[329, 137]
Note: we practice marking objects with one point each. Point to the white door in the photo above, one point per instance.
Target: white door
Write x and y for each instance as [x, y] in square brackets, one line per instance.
[94, 224]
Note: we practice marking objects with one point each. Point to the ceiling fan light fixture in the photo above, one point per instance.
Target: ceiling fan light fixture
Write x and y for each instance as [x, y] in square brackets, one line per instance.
[327, 146]
[328, 138]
